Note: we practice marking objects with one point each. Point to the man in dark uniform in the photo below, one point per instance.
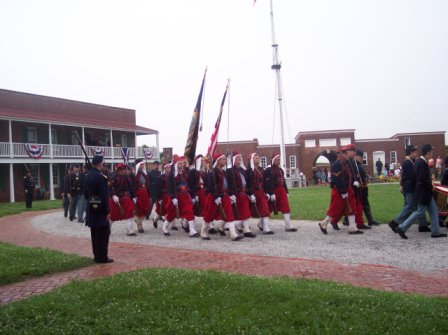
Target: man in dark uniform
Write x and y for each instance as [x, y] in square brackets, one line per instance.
[76, 180]
[379, 167]
[407, 187]
[364, 188]
[97, 212]
[423, 196]
[28, 187]
[65, 187]
[154, 175]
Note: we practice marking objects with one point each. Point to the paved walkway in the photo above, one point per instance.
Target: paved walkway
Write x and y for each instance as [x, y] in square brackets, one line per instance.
[18, 230]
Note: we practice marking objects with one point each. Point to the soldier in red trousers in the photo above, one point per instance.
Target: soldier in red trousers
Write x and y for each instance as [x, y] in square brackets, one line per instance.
[343, 200]
[179, 191]
[256, 190]
[236, 176]
[121, 199]
[278, 191]
[141, 184]
[219, 203]
[163, 200]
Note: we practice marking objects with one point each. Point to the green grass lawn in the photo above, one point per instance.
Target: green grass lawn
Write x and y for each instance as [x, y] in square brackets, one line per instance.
[18, 263]
[7, 208]
[312, 203]
[167, 301]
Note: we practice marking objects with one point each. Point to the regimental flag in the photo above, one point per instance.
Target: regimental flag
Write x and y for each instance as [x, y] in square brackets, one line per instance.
[214, 140]
[125, 155]
[192, 140]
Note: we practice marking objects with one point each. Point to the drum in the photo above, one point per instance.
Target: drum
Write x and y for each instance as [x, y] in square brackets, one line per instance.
[441, 197]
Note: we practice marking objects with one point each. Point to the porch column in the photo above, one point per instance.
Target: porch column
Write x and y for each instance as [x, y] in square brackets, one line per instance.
[51, 182]
[11, 146]
[50, 141]
[157, 145]
[12, 197]
[83, 137]
[136, 147]
[112, 144]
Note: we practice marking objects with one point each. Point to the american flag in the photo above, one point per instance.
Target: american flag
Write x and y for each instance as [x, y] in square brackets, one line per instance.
[214, 140]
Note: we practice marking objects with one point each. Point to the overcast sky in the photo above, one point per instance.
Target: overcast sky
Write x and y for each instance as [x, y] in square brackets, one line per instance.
[377, 66]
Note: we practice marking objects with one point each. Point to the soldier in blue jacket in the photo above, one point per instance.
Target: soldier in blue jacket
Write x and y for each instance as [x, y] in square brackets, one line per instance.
[97, 213]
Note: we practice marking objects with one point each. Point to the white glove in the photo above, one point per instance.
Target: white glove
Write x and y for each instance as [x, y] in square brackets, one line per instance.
[268, 196]
[193, 201]
[233, 199]
[69, 195]
[287, 194]
[218, 201]
[273, 197]
[175, 202]
[115, 199]
[26, 191]
[196, 198]
[344, 195]
[135, 200]
[160, 202]
[356, 183]
[253, 199]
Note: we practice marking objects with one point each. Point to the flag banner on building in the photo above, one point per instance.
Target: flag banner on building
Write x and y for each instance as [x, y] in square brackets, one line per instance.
[98, 151]
[192, 140]
[125, 155]
[34, 150]
[214, 140]
[149, 153]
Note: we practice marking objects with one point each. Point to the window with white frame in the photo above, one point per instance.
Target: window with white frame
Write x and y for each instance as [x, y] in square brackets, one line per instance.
[310, 143]
[54, 136]
[56, 175]
[31, 135]
[407, 141]
[263, 162]
[292, 162]
[393, 157]
[365, 160]
[124, 140]
[327, 142]
[345, 141]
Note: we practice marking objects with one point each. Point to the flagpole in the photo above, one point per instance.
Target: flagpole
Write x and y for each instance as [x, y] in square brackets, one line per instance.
[228, 114]
[276, 66]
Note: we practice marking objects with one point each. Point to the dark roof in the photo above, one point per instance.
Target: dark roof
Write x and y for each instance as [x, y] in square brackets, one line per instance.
[35, 107]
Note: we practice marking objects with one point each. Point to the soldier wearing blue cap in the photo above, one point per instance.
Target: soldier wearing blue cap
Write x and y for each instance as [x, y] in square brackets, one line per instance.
[97, 212]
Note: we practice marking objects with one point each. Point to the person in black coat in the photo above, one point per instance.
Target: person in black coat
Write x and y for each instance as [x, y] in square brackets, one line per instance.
[97, 212]
[423, 196]
[28, 188]
[379, 167]
[444, 178]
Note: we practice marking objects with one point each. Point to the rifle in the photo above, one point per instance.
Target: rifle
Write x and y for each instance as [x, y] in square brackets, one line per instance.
[236, 212]
[28, 170]
[257, 212]
[347, 208]
[274, 204]
[177, 212]
[120, 208]
[86, 157]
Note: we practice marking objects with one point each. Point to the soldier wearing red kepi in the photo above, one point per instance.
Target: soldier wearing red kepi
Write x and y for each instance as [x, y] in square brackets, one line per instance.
[179, 192]
[121, 196]
[257, 196]
[219, 203]
[342, 198]
[163, 200]
[237, 188]
[278, 191]
[141, 183]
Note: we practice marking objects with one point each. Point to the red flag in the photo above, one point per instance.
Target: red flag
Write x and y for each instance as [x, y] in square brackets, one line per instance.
[214, 140]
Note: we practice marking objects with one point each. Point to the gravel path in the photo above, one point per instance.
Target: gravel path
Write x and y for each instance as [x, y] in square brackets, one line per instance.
[377, 246]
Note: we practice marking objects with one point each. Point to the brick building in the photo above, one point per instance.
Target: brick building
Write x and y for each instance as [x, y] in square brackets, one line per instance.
[49, 125]
[310, 145]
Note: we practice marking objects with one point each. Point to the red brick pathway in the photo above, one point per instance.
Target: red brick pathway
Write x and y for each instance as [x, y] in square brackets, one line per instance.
[18, 230]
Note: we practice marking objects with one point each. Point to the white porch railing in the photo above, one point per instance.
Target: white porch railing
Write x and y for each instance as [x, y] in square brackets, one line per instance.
[70, 151]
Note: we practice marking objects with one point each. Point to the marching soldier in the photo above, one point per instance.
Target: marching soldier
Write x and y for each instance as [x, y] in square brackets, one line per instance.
[28, 188]
[198, 185]
[154, 175]
[65, 191]
[364, 188]
[142, 184]
[76, 182]
[256, 191]
[278, 191]
[97, 212]
[161, 196]
[219, 203]
[356, 185]
[121, 199]
[342, 198]
[237, 179]
[179, 192]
